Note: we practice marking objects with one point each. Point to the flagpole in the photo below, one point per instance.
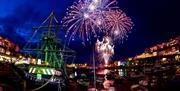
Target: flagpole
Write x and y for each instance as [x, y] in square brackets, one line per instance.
[94, 68]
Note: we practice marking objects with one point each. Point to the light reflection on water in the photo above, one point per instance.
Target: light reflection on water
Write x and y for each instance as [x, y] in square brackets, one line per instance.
[118, 72]
[121, 72]
[136, 75]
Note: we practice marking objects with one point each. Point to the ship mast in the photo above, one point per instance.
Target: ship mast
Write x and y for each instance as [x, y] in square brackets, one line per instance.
[47, 47]
[50, 46]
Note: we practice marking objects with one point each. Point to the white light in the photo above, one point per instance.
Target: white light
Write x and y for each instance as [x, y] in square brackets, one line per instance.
[48, 71]
[164, 59]
[24, 61]
[106, 71]
[34, 70]
[119, 63]
[107, 39]
[44, 71]
[39, 76]
[86, 15]
[106, 58]
[75, 74]
[52, 71]
[39, 62]
[116, 32]
[92, 7]
[30, 70]
[98, 22]
[95, 1]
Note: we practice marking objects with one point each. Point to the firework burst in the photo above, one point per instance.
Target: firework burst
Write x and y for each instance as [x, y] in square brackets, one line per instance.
[85, 18]
[117, 24]
[78, 20]
[105, 49]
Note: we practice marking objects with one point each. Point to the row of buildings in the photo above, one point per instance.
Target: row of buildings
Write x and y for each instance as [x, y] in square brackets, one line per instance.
[163, 53]
[8, 47]
[8, 53]
[8, 50]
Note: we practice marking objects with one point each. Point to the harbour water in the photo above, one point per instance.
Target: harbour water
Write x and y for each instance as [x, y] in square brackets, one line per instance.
[126, 79]
[162, 78]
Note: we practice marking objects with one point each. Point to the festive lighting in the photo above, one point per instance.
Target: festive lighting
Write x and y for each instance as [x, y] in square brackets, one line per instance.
[39, 76]
[117, 24]
[95, 1]
[80, 20]
[34, 70]
[39, 62]
[87, 17]
[75, 74]
[119, 63]
[105, 49]
[8, 52]
[44, 71]
[92, 7]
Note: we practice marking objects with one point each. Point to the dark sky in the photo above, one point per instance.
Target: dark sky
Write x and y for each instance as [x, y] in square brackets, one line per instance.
[155, 21]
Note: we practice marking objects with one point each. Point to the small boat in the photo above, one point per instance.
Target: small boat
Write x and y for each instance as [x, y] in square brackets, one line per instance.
[83, 81]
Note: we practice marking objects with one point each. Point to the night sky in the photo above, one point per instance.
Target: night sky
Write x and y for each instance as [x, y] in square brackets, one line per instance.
[155, 21]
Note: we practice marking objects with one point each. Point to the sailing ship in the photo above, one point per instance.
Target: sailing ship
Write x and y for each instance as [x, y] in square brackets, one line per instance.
[46, 64]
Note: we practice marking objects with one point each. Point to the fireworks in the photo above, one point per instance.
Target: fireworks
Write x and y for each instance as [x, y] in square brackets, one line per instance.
[78, 20]
[117, 24]
[86, 18]
[105, 49]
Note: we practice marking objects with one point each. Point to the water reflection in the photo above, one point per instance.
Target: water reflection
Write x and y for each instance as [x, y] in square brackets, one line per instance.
[150, 77]
[121, 72]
